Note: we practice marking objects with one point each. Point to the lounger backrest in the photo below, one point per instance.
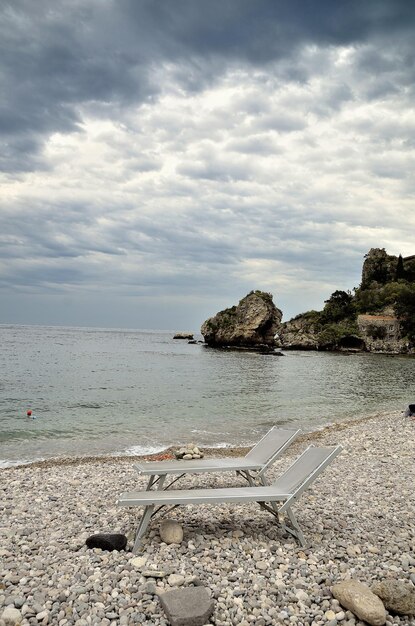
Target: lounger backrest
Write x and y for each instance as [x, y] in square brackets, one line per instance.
[271, 445]
[305, 469]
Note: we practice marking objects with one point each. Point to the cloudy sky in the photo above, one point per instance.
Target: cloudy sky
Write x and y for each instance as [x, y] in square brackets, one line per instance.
[161, 158]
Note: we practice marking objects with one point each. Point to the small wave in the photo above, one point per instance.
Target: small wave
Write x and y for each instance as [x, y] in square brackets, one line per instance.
[141, 450]
[221, 444]
[7, 463]
[86, 405]
[205, 432]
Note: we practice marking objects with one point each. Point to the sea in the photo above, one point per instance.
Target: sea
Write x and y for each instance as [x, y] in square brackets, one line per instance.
[105, 391]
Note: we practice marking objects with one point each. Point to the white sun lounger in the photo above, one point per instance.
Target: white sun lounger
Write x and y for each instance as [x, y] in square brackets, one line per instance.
[252, 466]
[285, 490]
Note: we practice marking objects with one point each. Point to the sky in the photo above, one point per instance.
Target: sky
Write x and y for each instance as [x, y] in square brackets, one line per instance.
[160, 159]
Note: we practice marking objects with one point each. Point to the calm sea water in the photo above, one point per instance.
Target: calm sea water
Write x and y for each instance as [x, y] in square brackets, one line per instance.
[106, 391]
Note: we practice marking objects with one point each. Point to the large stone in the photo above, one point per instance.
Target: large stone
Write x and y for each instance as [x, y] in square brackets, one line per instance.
[253, 323]
[11, 616]
[171, 531]
[358, 598]
[191, 606]
[397, 596]
[107, 541]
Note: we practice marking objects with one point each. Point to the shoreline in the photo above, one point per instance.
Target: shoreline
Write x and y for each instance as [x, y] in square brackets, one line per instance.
[231, 451]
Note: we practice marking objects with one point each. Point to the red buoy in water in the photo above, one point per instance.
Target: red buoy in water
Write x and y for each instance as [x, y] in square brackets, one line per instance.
[29, 413]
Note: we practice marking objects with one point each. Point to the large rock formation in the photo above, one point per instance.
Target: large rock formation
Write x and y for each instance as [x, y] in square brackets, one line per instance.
[380, 268]
[253, 323]
[378, 317]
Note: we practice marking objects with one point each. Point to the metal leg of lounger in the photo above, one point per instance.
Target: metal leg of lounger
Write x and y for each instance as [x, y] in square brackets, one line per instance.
[151, 482]
[295, 530]
[248, 476]
[159, 481]
[142, 527]
[265, 483]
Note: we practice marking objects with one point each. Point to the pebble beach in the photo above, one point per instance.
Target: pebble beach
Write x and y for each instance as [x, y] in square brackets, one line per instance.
[359, 519]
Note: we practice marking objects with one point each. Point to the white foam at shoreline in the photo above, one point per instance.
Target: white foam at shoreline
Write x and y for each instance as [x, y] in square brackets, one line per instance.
[140, 450]
[4, 463]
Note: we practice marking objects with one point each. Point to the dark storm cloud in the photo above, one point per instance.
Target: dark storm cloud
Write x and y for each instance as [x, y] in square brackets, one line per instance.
[58, 57]
[202, 149]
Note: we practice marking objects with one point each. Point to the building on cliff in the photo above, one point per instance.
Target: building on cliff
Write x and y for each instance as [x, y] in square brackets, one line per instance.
[381, 333]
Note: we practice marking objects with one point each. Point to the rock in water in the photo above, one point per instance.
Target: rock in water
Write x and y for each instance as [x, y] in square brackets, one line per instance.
[358, 598]
[171, 531]
[253, 323]
[397, 596]
[183, 336]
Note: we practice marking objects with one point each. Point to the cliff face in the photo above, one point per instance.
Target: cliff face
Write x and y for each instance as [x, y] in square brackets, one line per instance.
[308, 332]
[378, 317]
[380, 268]
[253, 323]
[300, 333]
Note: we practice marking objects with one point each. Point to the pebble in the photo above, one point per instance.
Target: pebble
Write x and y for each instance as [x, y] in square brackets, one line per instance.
[358, 519]
[175, 580]
[11, 616]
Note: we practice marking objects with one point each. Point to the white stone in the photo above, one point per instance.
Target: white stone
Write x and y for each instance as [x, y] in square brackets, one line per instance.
[11, 616]
[171, 531]
[302, 595]
[175, 580]
[41, 616]
[139, 561]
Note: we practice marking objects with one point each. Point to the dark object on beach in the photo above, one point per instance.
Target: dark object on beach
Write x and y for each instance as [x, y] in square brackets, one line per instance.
[410, 411]
[107, 541]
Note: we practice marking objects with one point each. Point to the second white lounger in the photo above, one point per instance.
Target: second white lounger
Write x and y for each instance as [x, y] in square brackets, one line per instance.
[252, 466]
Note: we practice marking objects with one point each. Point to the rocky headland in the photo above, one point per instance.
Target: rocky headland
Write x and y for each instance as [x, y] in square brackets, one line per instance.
[379, 316]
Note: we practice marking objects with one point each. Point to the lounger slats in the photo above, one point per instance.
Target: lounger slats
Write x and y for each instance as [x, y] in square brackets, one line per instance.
[275, 440]
[197, 466]
[304, 466]
[201, 496]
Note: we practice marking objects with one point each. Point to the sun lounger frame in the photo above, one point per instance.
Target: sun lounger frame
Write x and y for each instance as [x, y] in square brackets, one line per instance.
[276, 498]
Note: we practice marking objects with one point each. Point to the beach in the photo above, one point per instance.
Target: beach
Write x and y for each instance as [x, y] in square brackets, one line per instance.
[358, 516]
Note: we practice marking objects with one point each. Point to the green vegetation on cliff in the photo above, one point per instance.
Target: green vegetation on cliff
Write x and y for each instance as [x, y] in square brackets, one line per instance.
[387, 288]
